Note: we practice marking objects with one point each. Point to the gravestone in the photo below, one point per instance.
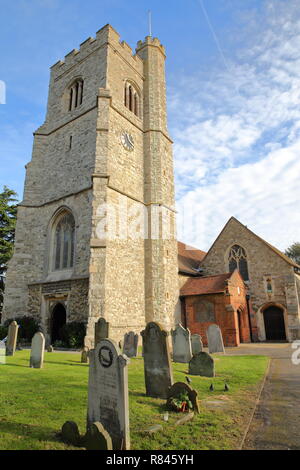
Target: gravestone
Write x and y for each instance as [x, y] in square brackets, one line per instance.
[215, 339]
[50, 349]
[130, 345]
[97, 438]
[202, 364]
[181, 340]
[85, 355]
[157, 361]
[108, 392]
[101, 330]
[181, 387]
[37, 351]
[197, 345]
[12, 336]
[70, 434]
[2, 352]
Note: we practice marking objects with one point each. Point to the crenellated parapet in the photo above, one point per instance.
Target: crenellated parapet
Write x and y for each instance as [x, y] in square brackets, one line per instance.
[150, 41]
[105, 36]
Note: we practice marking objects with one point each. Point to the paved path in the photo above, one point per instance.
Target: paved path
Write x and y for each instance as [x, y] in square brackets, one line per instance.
[276, 423]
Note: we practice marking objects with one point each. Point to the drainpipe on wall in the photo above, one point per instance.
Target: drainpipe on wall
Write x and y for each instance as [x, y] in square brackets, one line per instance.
[249, 316]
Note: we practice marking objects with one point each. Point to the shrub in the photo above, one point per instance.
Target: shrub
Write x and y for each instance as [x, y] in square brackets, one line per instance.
[72, 334]
[28, 327]
[3, 332]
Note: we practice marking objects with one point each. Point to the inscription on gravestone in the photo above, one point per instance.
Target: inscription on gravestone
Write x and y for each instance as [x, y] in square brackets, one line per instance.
[108, 392]
[157, 361]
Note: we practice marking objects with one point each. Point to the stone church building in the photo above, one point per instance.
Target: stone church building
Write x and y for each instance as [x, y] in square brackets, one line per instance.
[96, 230]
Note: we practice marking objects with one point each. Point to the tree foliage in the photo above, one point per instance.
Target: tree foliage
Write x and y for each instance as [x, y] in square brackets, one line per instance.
[293, 252]
[8, 214]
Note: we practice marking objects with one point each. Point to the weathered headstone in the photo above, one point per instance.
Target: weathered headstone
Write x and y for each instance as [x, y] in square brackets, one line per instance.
[130, 345]
[2, 352]
[181, 340]
[180, 388]
[85, 355]
[157, 361]
[37, 351]
[197, 345]
[202, 364]
[215, 339]
[108, 392]
[70, 433]
[97, 438]
[101, 330]
[12, 336]
[50, 349]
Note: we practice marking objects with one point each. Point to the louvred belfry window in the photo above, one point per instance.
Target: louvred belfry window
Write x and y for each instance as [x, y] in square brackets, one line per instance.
[76, 94]
[132, 99]
[237, 259]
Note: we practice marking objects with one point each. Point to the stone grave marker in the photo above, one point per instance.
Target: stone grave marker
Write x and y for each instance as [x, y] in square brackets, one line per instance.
[181, 387]
[97, 438]
[181, 340]
[202, 364]
[197, 345]
[12, 336]
[215, 339]
[130, 345]
[85, 355]
[37, 351]
[101, 330]
[108, 392]
[157, 361]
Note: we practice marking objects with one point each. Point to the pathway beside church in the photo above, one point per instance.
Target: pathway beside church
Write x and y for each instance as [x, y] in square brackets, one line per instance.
[275, 425]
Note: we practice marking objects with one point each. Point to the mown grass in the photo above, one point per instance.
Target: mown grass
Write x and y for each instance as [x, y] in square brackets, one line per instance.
[35, 403]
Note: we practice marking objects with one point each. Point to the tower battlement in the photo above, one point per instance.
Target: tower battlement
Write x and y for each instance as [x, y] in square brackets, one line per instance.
[105, 35]
[150, 41]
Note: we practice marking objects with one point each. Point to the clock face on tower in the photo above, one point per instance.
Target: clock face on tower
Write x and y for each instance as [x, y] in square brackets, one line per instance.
[127, 141]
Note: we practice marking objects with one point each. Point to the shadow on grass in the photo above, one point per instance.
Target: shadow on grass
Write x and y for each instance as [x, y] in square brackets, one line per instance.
[30, 431]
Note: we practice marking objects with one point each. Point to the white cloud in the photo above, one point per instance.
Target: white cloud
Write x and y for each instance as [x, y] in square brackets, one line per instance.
[238, 142]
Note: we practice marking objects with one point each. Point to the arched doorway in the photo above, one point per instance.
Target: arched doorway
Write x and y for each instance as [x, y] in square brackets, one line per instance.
[274, 324]
[58, 320]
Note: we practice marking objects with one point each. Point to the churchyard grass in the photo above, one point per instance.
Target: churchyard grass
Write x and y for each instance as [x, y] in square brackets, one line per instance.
[34, 403]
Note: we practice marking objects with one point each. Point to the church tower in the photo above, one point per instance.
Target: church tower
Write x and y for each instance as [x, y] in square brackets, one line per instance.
[96, 230]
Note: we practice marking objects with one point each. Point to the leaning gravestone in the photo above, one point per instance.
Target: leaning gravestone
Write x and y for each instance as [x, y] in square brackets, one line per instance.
[215, 339]
[101, 330]
[202, 364]
[157, 361]
[97, 438]
[182, 349]
[12, 338]
[108, 392]
[197, 345]
[130, 345]
[37, 351]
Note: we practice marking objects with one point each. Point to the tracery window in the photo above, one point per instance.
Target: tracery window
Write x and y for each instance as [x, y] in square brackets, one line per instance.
[132, 99]
[63, 236]
[75, 94]
[237, 259]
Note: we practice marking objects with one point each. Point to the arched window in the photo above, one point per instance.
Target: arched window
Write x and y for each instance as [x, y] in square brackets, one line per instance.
[75, 94]
[132, 99]
[237, 259]
[63, 241]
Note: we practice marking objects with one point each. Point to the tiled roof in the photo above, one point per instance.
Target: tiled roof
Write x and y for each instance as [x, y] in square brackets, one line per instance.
[189, 259]
[205, 285]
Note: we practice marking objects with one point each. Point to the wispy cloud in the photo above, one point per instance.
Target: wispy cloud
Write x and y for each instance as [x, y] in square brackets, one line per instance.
[237, 134]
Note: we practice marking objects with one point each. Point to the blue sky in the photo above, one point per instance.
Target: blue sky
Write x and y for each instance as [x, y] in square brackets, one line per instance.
[233, 76]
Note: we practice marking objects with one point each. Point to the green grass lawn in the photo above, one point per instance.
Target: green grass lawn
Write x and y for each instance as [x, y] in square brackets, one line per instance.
[34, 403]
